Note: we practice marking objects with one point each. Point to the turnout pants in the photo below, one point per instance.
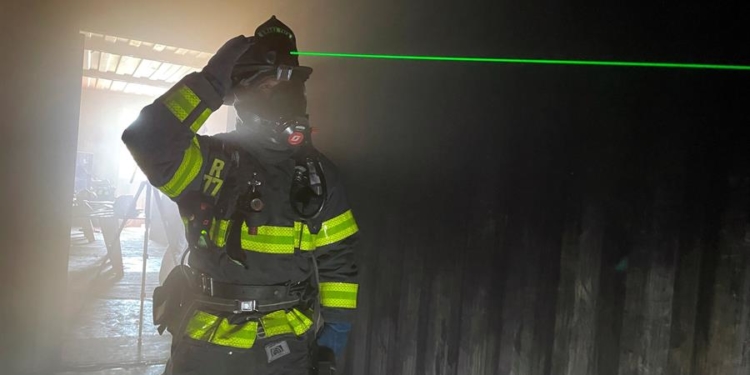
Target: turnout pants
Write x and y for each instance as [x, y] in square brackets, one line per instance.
[278, 355]
[206, 341]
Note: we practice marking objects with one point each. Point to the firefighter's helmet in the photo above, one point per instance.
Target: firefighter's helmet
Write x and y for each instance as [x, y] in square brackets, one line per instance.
[270, 54]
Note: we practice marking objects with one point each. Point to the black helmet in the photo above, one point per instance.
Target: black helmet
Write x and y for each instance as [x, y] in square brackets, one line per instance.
[270, 54]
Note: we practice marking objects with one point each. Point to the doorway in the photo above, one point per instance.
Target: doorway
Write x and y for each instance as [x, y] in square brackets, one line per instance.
[122, 244]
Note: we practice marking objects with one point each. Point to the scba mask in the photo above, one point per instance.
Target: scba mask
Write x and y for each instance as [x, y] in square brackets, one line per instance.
[271, 104]
[268, 88]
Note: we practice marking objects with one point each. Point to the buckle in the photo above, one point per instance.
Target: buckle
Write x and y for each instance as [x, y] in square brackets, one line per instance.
[207, 285]
[244, 306]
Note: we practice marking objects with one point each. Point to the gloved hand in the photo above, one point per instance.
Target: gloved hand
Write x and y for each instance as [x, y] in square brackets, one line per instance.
[334, 336]
[219, 68]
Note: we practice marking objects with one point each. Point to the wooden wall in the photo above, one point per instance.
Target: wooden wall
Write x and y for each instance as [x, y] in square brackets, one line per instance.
[537, 220]
[612, 241]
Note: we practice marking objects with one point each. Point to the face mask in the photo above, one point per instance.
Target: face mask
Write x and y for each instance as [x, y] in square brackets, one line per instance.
[274, 114]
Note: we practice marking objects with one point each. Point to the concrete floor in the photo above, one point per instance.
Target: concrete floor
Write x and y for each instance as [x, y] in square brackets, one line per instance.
[101, 336]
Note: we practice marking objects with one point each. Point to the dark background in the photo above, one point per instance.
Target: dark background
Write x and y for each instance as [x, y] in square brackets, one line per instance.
[516, 219]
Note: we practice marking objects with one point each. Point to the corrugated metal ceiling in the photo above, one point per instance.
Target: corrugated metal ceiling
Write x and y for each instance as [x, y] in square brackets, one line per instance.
[135, 66]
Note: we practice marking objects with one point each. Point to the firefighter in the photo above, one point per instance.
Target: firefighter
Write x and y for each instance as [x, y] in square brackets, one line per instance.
[270, 281]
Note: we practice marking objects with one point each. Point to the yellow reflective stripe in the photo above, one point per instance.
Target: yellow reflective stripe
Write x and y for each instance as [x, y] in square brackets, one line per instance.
[181, 102]
[214, 329]
[283, 240]
[201, 326]
[191, 164]
[218, 232]
[237, 336]
[275, 324]
[211, 328]
[269, 239]
[307, 242]
[280, 323]
[336, 229]
[338, 294]
[300, 322]
[200, 120]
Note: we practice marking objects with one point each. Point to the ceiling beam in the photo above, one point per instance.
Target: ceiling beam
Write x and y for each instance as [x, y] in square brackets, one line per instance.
[143, 52]
[126, 78]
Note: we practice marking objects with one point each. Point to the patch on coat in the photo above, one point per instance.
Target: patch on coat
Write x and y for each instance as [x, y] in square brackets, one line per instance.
[277, 350]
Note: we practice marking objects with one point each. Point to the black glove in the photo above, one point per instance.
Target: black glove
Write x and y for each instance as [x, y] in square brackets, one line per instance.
[218, 71]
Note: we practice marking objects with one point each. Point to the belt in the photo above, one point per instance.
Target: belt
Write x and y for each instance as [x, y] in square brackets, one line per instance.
[237, 298]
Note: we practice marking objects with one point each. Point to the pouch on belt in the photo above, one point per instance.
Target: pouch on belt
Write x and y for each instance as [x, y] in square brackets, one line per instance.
[169, 298]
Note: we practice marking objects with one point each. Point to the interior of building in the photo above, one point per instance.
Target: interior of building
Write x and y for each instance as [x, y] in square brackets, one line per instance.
[515, 218]
[106, 258]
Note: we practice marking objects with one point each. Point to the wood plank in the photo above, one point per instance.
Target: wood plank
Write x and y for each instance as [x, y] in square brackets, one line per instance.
[725, 348]
[610, 307]
[647, 316]
[441, 346]
[358, 348]
[743, 331]
[441, 307]
[386, 287]
[480, 304]
[694, 240]
[512, 303]
[684, 310]
[575, 346]
[525, 341]
[409, 314]
[657, 201]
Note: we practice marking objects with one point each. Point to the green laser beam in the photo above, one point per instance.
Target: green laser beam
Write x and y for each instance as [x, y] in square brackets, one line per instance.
[640, 64]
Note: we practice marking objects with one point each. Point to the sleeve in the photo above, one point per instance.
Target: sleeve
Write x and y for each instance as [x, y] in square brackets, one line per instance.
[164, 143]
[335, 245]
